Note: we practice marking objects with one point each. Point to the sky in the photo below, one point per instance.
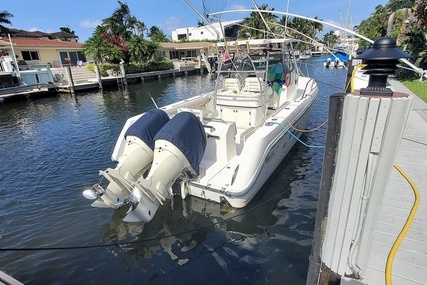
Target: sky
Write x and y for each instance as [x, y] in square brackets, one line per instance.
[82, 16]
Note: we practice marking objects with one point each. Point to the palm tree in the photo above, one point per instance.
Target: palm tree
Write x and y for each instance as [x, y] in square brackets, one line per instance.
[157, 35]
[98, 48]
[421, 13]
[254, 26]
[331, 39]
[317, 27]
[4, 19]
[137, 47]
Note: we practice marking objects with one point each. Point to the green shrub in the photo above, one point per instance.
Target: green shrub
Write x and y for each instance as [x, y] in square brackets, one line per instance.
[133, 67]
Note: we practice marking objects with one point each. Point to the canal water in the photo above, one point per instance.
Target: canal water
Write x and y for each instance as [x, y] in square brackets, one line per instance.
[53, 148]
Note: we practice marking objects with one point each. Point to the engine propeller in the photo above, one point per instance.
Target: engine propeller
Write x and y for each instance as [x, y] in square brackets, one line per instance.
[94, 192]
[131, 201]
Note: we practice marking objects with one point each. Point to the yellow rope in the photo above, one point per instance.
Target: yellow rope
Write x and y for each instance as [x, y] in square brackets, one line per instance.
[399, 239]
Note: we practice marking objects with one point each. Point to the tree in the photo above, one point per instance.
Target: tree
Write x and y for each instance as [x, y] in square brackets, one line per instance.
[317, 27]
[120, 37]
[100, 49]
[67, 30]
[157, 35]
[421, 13]
[254, 26]
[375, 26]
[331, 39]
[5, 19]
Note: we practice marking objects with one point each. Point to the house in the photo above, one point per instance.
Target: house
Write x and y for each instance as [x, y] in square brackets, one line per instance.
[56, 49]
[214, 31]
[187, 50]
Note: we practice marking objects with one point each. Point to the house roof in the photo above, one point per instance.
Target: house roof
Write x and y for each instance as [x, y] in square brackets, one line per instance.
[43, 43]
[188, 45]
[16, 33]
[63, 34]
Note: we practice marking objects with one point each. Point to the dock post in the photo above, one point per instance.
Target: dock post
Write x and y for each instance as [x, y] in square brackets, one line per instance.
[98, 76]
[70, 79]
[123, 72]
[372, 125]
[336, 103]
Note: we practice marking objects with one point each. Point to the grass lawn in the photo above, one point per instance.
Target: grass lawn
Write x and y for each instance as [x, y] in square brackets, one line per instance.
[419, 88]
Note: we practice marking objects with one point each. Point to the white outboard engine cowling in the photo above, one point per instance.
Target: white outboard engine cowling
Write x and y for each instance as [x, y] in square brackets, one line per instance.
[136, 158]
[179, 148]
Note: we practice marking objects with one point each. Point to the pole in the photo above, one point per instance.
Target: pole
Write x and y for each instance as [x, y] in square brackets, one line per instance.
[18, 74]
[332, 138]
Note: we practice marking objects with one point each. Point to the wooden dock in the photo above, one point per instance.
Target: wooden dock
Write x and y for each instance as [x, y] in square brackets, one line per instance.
[364, 201]
[410, 263]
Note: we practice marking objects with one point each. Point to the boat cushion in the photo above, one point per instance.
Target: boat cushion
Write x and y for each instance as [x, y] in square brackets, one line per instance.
[186, 132]
[147, 126]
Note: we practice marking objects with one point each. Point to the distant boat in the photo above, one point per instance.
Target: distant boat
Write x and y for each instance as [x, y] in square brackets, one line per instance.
[14, 81]
[316, 53]
[339, 59]
[304, 55]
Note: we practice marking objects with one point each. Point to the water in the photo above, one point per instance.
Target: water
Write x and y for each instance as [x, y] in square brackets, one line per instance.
[52, 149]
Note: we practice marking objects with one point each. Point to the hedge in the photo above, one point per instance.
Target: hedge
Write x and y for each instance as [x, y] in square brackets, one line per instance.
[134, 67]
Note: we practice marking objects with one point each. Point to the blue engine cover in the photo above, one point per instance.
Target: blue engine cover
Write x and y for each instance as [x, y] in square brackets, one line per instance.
[147, 126]
[186, 132]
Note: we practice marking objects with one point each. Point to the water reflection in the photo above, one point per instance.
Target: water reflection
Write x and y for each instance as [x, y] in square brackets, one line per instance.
[53, 148]
[240, 243]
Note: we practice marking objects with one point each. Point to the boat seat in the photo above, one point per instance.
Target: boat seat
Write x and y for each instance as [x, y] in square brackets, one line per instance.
[253, 84]
[202, 114]
[243, 117]
[231, 84]
[221, 144]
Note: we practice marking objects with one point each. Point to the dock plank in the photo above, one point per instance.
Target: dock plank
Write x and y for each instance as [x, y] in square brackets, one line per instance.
[410, 263]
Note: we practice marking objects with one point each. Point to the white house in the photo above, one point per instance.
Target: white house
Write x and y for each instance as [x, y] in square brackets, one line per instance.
[215, 31]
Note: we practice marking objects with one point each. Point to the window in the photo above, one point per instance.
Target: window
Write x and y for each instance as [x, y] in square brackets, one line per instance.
[72, 56]
[30, 55]
[201, 32]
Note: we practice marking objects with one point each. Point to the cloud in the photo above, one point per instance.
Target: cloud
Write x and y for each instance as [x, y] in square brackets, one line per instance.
[34, 29]
[237, 7]
[171, 24]
[89, 23]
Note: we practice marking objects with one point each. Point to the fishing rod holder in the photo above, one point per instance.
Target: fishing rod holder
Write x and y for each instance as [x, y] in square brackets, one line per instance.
[381, 60]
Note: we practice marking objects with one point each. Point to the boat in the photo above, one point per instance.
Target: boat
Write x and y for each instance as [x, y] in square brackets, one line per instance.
[304, 56]
[338, 59]
[315, 53]
[219, 146]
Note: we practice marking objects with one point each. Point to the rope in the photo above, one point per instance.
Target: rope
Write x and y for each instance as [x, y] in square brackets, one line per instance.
[399, 239]
[47, 248]
[307, 131]
[303, 143]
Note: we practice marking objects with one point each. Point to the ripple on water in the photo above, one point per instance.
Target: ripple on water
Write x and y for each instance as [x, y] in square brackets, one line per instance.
[53, 148]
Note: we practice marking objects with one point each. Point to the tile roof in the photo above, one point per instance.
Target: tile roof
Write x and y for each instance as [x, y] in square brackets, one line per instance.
[42, 43]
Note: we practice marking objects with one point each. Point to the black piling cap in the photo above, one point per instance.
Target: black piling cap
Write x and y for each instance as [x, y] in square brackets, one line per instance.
[381, 61]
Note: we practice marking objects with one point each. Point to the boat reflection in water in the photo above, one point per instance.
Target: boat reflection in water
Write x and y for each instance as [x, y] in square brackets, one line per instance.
[235, 243]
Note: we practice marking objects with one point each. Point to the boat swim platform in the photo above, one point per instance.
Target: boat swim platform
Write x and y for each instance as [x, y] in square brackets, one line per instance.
[410, 262]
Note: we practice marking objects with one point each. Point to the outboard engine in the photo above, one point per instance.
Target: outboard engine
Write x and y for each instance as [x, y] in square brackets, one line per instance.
[134, 162]
[179, 148]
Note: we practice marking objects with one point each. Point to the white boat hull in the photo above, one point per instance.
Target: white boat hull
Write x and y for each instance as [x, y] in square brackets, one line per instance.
[235, 138]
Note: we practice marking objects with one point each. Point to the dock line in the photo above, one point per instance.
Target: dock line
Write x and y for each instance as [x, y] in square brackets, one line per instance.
[297, 138]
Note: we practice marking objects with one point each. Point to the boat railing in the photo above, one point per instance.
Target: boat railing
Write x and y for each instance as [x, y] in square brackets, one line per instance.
[23, 67]
[308, 90]
[307, 69]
